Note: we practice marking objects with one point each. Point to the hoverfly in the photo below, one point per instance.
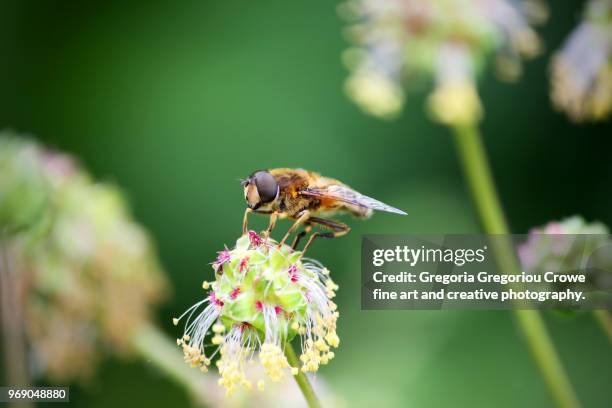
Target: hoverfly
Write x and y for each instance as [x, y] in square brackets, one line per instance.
[308, 198]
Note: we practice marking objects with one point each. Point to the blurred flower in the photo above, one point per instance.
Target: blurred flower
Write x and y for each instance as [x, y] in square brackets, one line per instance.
[88, 272]
[555, 248]
[581, 76]
[400, 42]
[262, 297]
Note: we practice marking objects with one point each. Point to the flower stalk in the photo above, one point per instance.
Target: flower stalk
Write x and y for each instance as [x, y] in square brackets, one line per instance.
[604, 319]
[155, 348]
[11, 322]
[301, 379]
[478, 176]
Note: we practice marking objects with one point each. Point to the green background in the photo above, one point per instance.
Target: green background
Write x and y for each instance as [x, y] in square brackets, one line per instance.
[174, 101]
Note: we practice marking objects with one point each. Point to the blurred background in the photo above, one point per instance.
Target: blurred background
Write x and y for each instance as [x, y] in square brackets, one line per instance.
[175, 101]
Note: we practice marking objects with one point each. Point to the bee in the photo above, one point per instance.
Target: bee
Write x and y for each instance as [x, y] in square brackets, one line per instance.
[307, 198]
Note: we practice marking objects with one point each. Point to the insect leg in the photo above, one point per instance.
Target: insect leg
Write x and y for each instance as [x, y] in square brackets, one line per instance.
[304, 216]
[273, 218]
[301, 235]
[338, 229]
[245, 221]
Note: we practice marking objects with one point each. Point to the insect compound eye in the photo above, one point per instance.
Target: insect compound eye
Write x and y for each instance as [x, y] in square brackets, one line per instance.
[266, 184]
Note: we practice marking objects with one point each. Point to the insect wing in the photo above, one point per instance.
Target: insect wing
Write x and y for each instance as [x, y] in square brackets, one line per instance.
[349, 196]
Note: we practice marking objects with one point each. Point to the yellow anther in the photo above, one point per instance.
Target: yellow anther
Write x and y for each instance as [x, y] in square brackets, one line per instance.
[273, 360]
[332, 339]
[247, 385]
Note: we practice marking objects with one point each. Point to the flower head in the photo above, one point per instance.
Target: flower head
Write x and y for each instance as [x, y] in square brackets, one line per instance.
[264, 297]
[581, 77]
[569, 246]
[403, 42]
[88, 272]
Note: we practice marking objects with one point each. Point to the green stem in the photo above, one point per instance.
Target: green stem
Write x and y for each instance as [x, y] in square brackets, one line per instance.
[478, 175]
[156, 348]
[301, 379]
[605, 321]
[11, 323]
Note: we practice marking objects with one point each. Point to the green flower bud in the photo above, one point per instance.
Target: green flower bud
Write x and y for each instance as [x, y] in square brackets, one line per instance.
[22, 188]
